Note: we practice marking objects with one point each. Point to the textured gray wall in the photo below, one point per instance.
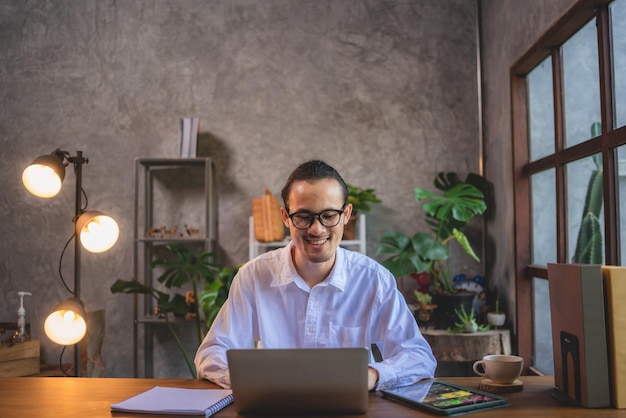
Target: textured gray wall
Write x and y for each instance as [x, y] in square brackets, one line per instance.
[383, 90]
[509, 28]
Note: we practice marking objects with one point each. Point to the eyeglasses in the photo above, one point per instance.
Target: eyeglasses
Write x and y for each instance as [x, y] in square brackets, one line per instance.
[304, 219]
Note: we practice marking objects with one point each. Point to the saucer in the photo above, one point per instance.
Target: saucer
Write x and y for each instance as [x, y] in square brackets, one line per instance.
[489, 385]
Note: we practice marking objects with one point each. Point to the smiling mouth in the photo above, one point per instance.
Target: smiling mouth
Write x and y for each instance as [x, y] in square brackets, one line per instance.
[317, 241]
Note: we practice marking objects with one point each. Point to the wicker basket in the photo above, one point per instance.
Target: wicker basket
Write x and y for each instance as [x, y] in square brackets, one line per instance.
[268, 224]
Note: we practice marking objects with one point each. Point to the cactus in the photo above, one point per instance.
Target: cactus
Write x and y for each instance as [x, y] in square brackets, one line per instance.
[589, 242]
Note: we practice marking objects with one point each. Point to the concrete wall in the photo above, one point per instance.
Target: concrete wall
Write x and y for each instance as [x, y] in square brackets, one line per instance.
[383, 90]
[509, 28]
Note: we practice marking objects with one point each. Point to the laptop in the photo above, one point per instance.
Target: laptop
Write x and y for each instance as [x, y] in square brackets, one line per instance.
[299, 380]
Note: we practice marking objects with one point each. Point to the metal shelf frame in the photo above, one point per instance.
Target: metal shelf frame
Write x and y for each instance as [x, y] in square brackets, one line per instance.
[148, 171]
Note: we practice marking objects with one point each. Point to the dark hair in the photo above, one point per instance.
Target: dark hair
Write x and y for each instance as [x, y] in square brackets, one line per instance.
[310, 171]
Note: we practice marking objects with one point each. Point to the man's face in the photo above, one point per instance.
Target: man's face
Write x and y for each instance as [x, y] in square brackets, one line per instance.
[317, 243]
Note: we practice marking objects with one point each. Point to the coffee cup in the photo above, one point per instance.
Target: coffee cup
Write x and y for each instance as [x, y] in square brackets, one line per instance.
[500, 368]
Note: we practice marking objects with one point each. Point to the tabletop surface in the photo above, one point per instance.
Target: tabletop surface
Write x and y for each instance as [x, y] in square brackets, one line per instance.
[92, 397]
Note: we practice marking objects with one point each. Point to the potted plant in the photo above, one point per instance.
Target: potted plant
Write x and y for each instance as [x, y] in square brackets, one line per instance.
[466, 322]
[447, 214]
[209, 281]
[425, 307]
[360, 199]
[496, 318]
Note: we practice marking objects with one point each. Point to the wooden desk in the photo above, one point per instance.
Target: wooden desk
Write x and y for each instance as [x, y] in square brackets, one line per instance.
[92, 397]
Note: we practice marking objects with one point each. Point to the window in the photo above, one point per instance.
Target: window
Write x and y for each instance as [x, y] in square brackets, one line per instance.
[569, 131]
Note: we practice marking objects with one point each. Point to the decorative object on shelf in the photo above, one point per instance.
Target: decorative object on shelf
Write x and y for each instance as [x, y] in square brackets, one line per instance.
[94, 230]
[425, 308]
[268, 224]
[448, 214]
[466, 322]
[476, 285]
[360, 199]
[497, 317]
[189, 137]
[163, 232]
[185, 268]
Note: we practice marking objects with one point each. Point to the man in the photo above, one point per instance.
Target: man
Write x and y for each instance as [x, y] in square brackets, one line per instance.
[313, 293]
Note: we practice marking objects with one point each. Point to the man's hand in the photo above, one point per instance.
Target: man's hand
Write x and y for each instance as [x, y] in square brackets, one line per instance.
[372, 378]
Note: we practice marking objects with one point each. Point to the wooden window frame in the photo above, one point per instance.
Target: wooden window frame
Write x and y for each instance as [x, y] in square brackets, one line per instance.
[550, 45]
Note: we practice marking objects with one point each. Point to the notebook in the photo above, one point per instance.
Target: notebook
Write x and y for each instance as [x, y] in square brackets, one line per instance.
[176, 401]
[303, 380]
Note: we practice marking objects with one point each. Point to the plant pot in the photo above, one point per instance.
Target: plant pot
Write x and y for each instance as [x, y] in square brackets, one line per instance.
[496, 319]
[424, 314]
[470, 327]
[445, 316]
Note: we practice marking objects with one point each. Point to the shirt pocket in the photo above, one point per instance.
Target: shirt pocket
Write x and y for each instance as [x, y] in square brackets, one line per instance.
[342, 336]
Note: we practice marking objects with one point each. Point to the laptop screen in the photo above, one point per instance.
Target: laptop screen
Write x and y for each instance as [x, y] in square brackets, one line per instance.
[304, 380]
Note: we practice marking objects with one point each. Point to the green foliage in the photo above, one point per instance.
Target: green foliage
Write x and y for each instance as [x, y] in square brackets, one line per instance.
[589, 240]
[215, 294]
[466, 319]
[447, 213]
[359, 198]
[168, 303]
[423, 298]
[182, 268]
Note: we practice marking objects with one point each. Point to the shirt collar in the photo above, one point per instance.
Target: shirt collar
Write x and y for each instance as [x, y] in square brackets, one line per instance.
[287, 273]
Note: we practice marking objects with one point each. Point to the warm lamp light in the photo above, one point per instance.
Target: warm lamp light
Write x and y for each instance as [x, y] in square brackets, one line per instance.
[94, 230]
[44, 176]
[66, 324]
[97, 232]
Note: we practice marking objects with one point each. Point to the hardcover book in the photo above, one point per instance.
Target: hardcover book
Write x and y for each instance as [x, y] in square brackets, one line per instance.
[581, 370]
[615, 295]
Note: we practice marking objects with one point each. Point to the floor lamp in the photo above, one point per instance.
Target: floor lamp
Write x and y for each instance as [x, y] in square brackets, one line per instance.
[93, 230]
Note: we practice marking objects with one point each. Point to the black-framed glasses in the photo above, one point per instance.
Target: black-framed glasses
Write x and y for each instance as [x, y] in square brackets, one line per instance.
[305, 218]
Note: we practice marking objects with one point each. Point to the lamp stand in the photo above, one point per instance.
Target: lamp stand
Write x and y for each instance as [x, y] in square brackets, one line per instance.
[78, 162]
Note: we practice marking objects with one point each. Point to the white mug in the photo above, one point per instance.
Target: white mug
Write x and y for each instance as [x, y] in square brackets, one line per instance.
[500, 368]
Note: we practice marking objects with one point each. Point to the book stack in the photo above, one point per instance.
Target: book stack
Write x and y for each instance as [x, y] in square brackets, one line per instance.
[581, 371]
[189, 137]
[615, 295]
[589, 333]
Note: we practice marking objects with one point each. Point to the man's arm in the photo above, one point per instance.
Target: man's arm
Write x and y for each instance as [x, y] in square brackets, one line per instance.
[232, 328]
[407, 356]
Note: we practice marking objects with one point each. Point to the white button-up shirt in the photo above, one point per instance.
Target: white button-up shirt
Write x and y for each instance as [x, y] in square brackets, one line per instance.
[358, 304]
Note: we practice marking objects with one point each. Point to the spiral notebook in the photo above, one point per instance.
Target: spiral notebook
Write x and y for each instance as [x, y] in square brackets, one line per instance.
[176, 401]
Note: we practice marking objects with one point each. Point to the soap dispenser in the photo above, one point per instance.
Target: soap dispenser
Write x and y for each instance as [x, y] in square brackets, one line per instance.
[20, 334]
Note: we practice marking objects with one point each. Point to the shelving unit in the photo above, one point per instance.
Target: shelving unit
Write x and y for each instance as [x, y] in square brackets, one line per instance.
[256, 247]
[175, 203]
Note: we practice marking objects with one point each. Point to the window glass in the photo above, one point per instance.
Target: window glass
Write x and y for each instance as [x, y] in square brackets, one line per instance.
[585, 211]
[581, 85]
[621, 196]
[541, 110]
[618, 23]
[543, 359]
[544, 214]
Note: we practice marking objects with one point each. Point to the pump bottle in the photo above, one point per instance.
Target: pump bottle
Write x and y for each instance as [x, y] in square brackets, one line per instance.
[20, 334]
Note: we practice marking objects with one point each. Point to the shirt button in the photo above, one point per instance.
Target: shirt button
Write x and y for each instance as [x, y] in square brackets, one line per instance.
[311, 329]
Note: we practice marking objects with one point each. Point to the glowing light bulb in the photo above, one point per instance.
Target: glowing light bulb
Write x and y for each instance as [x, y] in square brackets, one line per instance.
[68, 317]
[65, 327]
[41, 180]
[99, 233]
